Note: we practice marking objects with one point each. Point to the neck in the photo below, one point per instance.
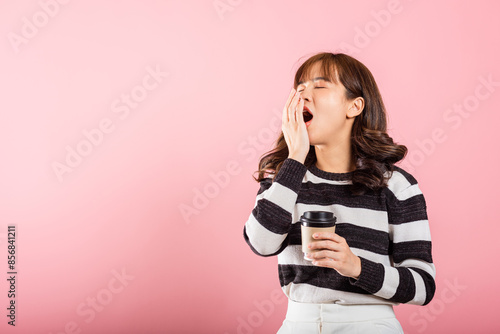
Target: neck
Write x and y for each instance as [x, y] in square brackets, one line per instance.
[335, 158]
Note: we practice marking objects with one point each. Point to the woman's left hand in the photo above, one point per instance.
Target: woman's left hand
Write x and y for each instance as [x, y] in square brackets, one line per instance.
[334, 253]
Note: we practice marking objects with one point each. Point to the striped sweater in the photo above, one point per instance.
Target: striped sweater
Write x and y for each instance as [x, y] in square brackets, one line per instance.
[388, 230]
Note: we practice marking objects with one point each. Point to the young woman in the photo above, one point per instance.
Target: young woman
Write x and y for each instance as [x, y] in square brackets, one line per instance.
[334, 154]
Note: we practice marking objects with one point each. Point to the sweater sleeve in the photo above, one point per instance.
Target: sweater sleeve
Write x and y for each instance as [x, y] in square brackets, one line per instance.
[411, 277]
[266, 230]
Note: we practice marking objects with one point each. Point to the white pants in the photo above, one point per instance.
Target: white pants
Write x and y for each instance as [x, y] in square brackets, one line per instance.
[306, 318]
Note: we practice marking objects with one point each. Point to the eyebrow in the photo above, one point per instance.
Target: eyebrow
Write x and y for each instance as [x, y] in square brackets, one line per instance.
[315, 79]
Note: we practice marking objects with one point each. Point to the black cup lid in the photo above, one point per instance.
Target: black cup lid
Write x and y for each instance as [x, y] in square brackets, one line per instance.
[318, 219]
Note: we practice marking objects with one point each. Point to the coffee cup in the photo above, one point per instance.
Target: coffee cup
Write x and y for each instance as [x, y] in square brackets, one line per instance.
[313, 222]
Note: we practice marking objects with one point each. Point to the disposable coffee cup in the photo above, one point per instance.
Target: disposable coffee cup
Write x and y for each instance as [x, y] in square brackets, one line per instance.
[313, 222]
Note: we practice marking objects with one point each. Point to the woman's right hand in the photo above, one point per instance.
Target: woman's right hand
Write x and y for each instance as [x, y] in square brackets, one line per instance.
[294, 128]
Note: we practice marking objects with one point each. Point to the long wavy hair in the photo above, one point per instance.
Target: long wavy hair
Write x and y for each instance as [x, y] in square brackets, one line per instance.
[374, 151]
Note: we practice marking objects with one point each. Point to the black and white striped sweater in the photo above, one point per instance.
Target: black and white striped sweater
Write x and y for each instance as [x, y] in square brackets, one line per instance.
[388, 230]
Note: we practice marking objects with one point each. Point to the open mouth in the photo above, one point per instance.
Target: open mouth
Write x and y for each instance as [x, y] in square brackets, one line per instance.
[307, 116]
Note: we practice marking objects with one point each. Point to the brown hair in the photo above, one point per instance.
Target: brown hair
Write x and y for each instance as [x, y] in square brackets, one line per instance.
[374, 151]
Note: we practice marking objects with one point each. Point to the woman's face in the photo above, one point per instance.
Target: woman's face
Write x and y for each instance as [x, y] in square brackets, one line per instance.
[329, 107]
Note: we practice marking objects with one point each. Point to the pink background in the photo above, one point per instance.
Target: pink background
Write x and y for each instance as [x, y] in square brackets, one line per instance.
[192, 140]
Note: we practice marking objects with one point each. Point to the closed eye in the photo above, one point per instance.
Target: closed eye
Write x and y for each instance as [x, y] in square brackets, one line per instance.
[300, 91]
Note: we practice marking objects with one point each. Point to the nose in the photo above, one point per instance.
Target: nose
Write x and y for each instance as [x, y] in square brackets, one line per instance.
[306, 93]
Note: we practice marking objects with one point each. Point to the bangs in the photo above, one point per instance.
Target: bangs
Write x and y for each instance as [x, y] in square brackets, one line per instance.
[328, 69]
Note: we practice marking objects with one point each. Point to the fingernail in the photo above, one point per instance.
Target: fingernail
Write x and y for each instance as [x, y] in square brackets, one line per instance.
[315, 235]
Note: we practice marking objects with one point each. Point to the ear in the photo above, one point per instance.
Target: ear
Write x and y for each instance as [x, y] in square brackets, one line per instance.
[356, 107]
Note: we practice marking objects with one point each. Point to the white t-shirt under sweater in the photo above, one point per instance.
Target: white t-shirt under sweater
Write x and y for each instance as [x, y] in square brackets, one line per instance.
[388, 230]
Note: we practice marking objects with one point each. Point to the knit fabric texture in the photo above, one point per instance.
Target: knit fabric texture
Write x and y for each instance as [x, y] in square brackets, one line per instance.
[387, 229]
